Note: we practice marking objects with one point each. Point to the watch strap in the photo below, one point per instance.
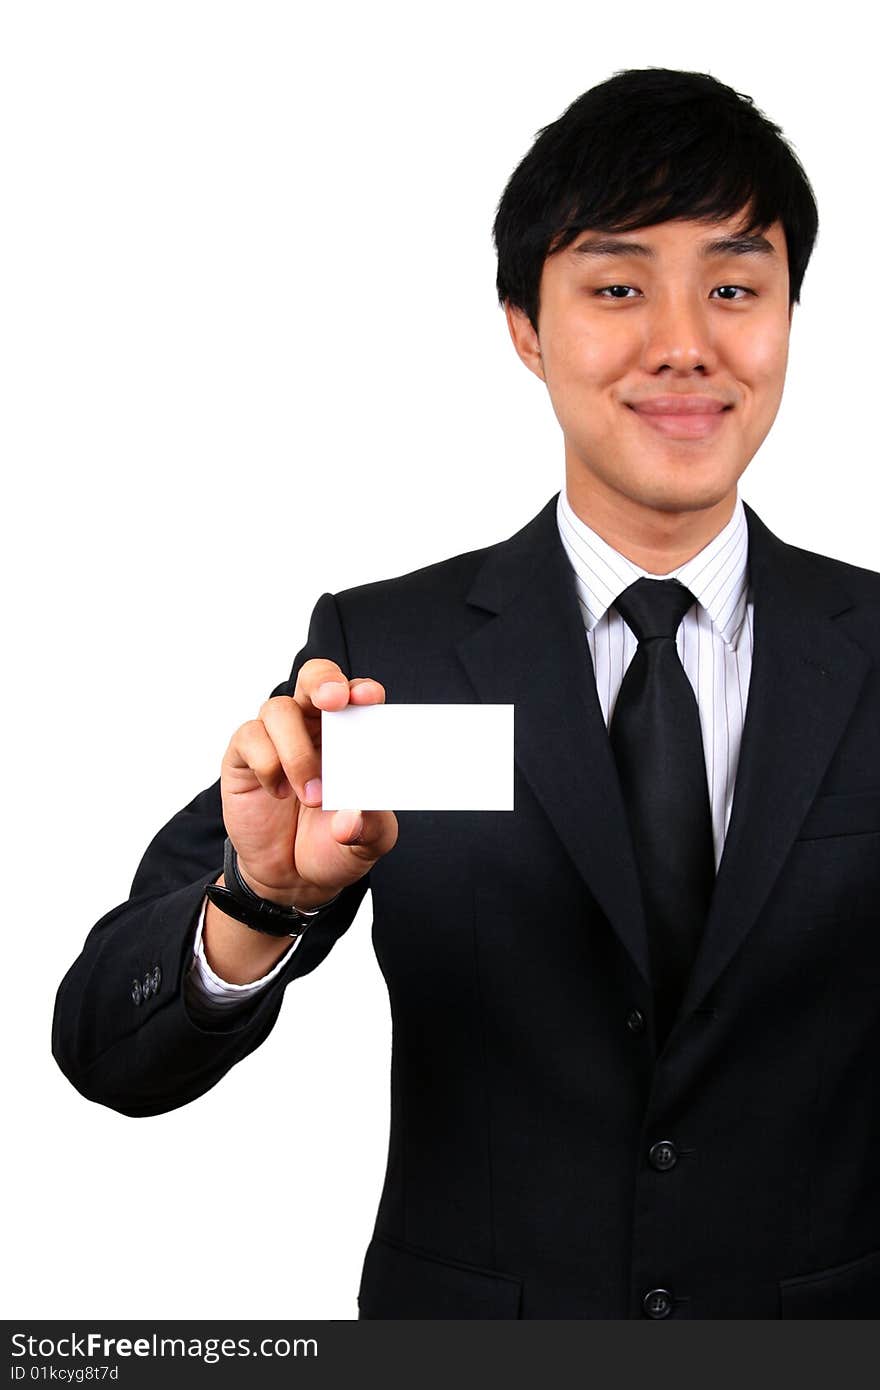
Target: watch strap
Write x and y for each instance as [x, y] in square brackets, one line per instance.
[239, 901]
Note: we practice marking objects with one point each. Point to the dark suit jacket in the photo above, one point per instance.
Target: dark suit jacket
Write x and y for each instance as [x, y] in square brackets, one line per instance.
[527, 1094]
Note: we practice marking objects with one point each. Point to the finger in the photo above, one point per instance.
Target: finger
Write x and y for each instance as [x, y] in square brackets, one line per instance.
[364, 690]
[251, 748]
[368, 834]
[321, 684]
[299, 759]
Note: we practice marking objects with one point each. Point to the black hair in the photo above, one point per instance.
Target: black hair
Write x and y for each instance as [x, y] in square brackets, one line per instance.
[646, 146]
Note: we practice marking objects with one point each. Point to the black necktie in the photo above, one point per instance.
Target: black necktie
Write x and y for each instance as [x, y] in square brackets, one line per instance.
[657, 744]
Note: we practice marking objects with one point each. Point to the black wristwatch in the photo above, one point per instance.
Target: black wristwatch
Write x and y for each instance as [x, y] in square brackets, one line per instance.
[239, 901]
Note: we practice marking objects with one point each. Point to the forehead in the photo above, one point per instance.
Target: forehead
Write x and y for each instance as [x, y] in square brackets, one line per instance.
[701, 241]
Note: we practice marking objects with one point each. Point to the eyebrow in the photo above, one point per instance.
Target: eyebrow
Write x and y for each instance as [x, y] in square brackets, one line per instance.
[721, 246]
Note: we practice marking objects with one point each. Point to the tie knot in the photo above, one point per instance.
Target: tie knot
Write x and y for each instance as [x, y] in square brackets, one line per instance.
[654, 607]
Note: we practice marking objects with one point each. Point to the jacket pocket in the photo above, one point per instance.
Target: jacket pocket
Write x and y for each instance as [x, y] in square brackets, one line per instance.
[850, 1290]
[850, 813]
[402, 1281]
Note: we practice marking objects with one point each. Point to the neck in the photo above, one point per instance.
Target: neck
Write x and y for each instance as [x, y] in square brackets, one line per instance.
[656, 541]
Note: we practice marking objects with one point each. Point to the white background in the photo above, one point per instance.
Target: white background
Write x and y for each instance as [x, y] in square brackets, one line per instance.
[252, 352]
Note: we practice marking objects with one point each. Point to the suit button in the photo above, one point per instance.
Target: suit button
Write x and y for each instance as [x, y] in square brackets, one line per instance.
[662, 1155]
[635, 1021]
[657, 1303]
[156, 978]
[136, 995]
[147, 985]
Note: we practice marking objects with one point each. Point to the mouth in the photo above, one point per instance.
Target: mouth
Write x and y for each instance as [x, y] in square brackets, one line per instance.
[689, 424]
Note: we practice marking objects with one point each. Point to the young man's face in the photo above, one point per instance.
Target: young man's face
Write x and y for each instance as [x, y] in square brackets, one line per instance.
[687, 320]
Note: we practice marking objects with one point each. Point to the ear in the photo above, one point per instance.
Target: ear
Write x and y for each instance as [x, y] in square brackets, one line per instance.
[525, 339]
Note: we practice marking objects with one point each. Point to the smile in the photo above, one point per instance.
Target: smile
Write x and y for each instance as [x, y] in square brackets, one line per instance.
[689, 426]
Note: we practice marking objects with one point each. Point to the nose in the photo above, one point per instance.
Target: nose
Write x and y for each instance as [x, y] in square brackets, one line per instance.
[678, 334]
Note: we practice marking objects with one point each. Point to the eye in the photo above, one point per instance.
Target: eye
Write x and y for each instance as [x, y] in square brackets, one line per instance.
[742, 289]
[607, 289]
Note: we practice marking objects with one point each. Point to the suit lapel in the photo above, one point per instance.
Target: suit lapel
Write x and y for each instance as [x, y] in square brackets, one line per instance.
[534, 654]
[805, 680]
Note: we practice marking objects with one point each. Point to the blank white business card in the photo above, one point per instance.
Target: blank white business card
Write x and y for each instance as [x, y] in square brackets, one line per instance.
[417, 758]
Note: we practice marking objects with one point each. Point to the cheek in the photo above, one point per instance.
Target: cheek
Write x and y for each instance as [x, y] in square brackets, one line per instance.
[770, 363]
[586, 358]
[760, 358]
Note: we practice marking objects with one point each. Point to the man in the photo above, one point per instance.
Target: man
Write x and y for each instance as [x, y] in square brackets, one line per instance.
[635, 1022]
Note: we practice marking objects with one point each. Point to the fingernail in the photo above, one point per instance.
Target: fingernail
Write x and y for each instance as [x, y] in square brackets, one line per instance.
[313, 789]
[327, 688]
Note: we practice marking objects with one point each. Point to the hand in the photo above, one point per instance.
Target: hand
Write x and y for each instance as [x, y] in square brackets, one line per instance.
[289, 850]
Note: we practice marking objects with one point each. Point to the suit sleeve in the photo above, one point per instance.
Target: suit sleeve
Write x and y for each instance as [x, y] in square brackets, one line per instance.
[140, 1051]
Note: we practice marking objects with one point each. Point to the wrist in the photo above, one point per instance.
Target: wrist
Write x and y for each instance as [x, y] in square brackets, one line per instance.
[239, 900]
[304, 896]
[235, 953]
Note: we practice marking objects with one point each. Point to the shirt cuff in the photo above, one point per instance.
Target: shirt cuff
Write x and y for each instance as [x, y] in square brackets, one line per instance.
[205, 987]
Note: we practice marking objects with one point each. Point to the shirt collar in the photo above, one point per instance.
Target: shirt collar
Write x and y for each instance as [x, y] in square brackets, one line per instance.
[717, 575]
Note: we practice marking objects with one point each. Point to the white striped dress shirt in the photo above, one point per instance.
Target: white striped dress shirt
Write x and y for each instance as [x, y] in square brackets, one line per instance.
[714, 643]
[714, 640]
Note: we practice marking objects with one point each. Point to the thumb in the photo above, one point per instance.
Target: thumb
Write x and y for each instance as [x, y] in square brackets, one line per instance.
[348, 827]
[368, 834]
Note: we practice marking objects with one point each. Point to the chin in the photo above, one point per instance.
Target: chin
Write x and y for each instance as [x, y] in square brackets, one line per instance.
[691, 496]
